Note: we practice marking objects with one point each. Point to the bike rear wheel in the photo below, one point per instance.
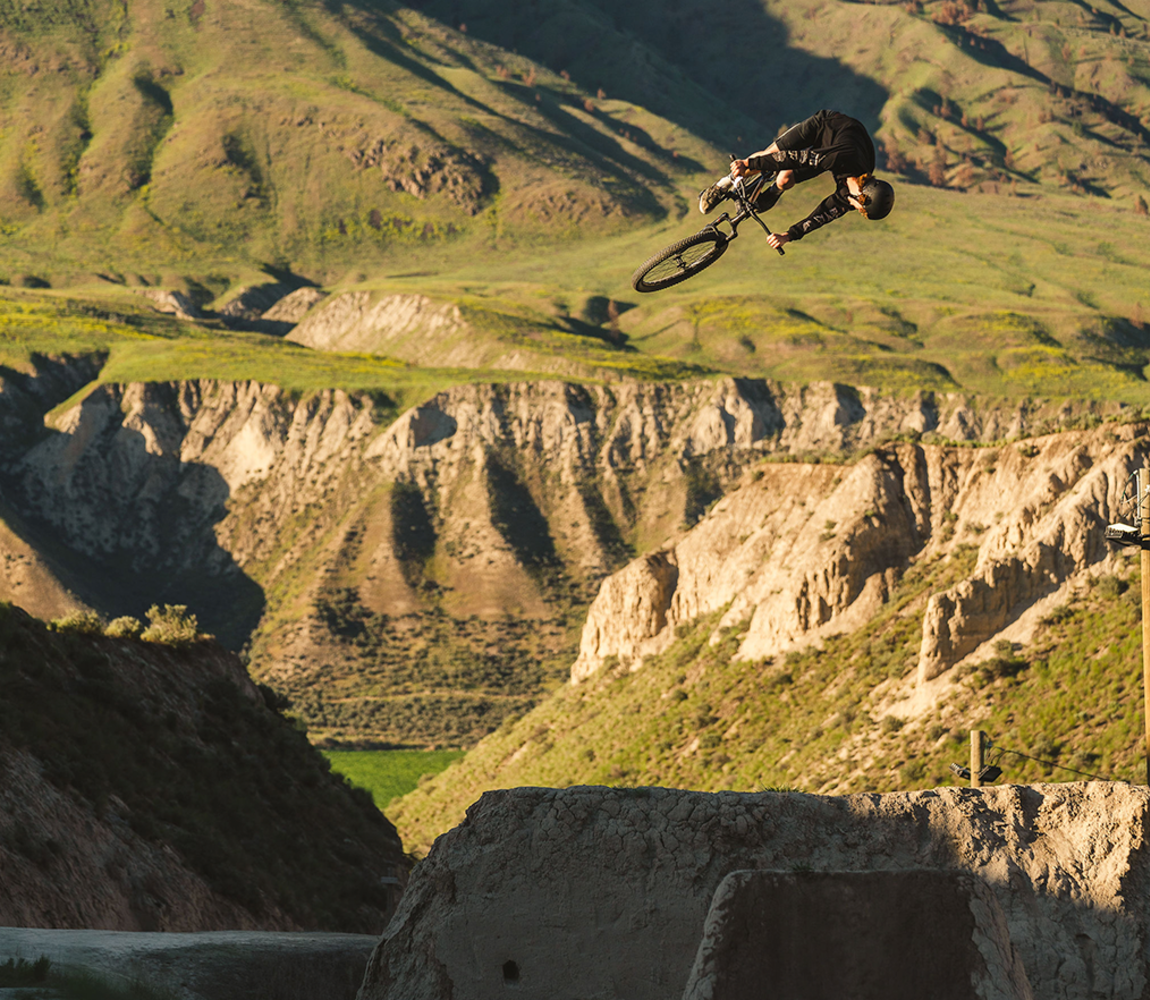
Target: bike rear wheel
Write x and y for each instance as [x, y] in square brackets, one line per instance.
[679, 261]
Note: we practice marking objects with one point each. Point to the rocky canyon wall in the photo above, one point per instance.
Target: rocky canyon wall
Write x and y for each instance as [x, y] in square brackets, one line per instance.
[300, 523]
[798, 552]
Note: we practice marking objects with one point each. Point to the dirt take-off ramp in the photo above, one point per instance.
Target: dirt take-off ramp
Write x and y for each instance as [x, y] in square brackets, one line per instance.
[605, 892]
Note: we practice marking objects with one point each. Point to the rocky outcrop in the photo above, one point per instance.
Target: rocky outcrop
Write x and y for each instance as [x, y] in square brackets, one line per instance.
[394, 324]
[603, 892]
[174, 302]
[251, 302]
[147, 476]
[798, 552]
[294, 306]
[1053, 507]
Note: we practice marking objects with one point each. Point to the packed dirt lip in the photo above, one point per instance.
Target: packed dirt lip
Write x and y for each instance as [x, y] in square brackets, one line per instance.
[596, 891]
[210, 965]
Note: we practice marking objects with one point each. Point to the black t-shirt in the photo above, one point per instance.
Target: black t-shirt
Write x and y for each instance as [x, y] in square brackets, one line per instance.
[844, 149]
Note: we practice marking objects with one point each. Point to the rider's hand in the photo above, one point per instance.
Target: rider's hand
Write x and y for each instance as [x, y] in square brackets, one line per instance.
[739, 168]
[777, 240]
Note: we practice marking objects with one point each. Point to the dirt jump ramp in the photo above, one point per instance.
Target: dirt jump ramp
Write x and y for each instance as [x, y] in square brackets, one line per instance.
[592, 893]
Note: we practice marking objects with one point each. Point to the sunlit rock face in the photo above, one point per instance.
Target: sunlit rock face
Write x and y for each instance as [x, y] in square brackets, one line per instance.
[799, 552]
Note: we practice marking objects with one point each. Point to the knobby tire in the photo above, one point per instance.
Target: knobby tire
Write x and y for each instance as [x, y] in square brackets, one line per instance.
[680, 261]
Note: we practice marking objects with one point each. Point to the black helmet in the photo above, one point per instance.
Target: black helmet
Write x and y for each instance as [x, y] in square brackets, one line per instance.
[877, 198]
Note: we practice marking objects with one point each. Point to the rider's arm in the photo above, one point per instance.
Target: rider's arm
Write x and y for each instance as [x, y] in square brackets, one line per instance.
[835, 206]
[803, 135]
[794, 148]
[772, 148]
[741, 167]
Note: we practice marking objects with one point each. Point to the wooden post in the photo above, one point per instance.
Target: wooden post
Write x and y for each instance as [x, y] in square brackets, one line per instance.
[975, 758]
[1144, 512]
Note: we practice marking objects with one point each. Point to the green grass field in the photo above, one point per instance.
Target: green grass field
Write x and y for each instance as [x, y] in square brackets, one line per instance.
[388, 774]
[521, 175]
[1007, 296]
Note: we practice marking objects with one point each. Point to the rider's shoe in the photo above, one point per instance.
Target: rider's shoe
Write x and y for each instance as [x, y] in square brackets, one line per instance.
[768, 198]
[713, 195]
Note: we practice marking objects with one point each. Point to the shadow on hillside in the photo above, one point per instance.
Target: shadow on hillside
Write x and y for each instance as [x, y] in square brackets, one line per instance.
[129, 529]
[677, 58]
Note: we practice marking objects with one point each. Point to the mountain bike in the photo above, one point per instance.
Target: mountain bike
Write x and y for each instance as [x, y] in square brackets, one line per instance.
[688, 257]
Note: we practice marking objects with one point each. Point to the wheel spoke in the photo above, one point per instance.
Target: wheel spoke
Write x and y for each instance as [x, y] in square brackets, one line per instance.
[682, 261]
[679, 262]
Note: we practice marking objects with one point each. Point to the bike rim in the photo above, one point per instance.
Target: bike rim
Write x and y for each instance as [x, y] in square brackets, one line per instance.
[683, 262]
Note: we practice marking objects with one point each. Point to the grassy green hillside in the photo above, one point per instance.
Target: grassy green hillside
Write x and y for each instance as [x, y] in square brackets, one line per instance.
[816, 720]
[520, 160]
[142, 142]
[1009, 296]
[196, 145]
[992, 92]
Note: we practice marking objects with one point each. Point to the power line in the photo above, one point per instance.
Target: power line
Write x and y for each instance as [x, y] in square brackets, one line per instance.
[992, 772]
[1050, 763]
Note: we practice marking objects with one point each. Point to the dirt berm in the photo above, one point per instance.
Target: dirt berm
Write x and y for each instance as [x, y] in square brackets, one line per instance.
[602, 893]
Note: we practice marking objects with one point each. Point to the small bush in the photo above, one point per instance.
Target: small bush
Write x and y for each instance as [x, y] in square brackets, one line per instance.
[124, 627]
[913, 771]
[79, 623]
[1004, 664]
[1108, 587]
[1059, 615]
[171, 625]
[892, 724]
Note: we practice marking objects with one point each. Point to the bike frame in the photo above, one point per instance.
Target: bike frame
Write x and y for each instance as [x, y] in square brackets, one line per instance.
[742, 193]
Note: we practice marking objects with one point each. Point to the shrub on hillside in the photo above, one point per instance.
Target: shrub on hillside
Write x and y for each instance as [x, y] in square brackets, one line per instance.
[125, 627]
[171, 625]
[79, 623]
[1005, 663]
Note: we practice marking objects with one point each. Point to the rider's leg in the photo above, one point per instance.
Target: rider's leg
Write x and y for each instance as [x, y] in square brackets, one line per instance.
[772, 192]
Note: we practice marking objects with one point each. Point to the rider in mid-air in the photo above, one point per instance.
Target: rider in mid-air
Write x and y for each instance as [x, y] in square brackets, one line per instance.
[828, 141]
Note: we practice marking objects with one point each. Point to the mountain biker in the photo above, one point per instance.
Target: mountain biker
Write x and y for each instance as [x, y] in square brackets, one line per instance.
[827, 142]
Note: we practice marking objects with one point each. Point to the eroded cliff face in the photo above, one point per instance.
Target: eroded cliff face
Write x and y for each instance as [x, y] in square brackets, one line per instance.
[798, 552]
[457, 544]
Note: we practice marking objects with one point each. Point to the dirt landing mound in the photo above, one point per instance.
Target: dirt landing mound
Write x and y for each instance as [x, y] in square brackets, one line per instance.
[602, 892]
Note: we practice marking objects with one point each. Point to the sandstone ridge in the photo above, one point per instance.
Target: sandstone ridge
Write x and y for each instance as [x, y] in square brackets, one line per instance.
[259, 508]
[798, 552]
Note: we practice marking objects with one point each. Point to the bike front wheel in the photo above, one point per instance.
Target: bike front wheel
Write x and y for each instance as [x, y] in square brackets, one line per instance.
[680, 260]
